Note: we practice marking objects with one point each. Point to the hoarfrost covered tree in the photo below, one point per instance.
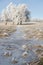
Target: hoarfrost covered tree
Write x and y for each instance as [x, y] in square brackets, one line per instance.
[5, 16]
[23, 14]
[11, 9]
[17, 14]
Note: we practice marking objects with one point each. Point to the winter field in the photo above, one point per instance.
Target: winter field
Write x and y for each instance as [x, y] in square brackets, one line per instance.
[21, 41]
[21, 44]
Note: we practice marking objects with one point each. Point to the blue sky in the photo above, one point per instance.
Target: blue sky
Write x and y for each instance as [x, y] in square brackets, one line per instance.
[35, 6]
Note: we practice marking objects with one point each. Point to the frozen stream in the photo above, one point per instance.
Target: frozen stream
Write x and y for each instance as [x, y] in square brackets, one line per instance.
[13, 44]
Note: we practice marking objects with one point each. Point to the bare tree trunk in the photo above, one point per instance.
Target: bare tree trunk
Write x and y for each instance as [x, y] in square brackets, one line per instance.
[5, 23]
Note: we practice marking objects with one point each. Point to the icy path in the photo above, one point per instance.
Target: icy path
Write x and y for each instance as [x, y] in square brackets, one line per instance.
[14, 44]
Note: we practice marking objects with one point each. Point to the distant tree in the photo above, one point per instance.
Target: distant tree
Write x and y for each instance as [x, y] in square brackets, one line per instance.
[5, 15]
[23, 14]
[17, 14]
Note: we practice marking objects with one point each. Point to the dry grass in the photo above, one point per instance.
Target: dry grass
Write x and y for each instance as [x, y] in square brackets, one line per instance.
[9, 28]
[33, 31]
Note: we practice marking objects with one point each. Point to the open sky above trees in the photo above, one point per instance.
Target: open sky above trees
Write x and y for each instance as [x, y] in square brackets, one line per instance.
[35, 6]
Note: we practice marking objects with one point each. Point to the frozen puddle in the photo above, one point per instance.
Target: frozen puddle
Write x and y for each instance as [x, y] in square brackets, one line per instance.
[11, 50]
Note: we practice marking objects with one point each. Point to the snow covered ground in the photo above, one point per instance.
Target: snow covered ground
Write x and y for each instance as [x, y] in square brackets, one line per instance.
[11, 50]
